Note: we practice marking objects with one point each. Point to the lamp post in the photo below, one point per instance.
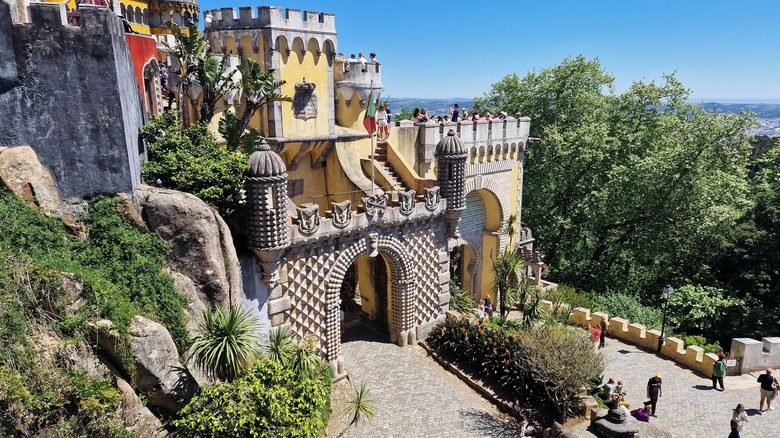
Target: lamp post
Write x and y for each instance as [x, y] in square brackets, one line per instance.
[666, 295]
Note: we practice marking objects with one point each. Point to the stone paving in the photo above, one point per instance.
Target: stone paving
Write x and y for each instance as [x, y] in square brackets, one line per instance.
[415, 397]
[689, 406]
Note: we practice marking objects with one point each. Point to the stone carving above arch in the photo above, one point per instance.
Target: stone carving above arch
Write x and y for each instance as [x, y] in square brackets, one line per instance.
[375, 205]
[432, 198]
[342, 213]
[408, 202]
[308, 218]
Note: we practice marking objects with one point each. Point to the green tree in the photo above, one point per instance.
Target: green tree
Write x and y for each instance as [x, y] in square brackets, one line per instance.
[192, 161]
[216, 78]
[190, 49]
[259, 87]
[226, 343]
[507, 275]
[626, 192]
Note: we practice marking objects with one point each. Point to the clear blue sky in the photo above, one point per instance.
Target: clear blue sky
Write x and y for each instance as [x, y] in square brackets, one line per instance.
[453, 48]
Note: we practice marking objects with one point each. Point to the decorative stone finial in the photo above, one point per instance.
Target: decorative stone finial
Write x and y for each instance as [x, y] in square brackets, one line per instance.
[451, 145]
[264, 163]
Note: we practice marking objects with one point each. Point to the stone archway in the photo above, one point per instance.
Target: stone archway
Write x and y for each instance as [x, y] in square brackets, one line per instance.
[402, 294]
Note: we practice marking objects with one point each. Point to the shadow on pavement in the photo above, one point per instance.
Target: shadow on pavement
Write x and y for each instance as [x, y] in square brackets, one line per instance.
[703, 387]
[480, 423]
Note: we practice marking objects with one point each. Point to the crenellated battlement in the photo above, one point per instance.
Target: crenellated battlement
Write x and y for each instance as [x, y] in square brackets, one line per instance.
[269, 17]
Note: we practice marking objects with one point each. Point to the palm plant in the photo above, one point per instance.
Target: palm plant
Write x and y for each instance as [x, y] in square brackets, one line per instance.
[507, 274]
[226, 343]
[258, 88]
[216, 78]
[190, 49]
[304, 360]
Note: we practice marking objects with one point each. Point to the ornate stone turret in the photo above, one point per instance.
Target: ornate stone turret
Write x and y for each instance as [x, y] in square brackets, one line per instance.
[451, 162]
[266, 194]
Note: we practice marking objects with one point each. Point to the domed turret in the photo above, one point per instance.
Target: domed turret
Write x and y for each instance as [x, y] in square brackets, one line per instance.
[451, 163]
[266, 192]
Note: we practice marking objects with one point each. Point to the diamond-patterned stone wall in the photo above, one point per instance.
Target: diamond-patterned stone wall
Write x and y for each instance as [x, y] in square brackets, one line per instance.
[307, 288]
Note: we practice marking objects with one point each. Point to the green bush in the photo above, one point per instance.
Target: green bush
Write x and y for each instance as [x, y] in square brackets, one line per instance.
[702, 342]
[191, 161]
[630, 308]
[554, 361]
[270, 400]
[461, 300]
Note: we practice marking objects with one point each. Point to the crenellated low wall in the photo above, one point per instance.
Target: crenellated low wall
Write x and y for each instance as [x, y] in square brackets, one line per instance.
[756, 355]
[692, 357]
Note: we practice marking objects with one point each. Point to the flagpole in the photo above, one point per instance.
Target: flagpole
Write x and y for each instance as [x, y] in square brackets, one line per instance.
[371, 94]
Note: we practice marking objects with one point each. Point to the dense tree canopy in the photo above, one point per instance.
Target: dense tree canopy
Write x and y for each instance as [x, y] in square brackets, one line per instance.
[627, 192]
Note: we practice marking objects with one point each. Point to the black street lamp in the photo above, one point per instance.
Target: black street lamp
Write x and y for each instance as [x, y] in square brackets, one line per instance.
[666, 295]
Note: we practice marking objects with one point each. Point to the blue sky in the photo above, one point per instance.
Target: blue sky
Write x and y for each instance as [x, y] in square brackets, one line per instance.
[452, 48]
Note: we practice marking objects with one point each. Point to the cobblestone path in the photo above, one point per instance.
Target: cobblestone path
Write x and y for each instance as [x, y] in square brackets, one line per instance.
[689, 406]
[415, 397]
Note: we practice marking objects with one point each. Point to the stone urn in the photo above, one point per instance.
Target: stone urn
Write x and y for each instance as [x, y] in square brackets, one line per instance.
[615, 423]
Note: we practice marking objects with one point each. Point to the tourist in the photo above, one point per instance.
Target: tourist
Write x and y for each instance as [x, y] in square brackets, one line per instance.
[454, 111]
[740, 417]
[423, 116]
[475, 117]
[619, 393]
[439, 119]
[654, 390]
[352, 58]
[389, 119]
[488, 305]
[734, 430]
[610, 387]
[341, 58]
[768, 386]
[381, 121]
[603, 337]
[416, 115]
[642, 414]
[595, 332]
[718, 371]
[362, 59]
[481, 311]
[446, 119]
[372, 57]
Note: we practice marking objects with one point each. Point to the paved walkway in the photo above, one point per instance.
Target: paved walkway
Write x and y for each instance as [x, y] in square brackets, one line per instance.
[689, 406]
[415, 397]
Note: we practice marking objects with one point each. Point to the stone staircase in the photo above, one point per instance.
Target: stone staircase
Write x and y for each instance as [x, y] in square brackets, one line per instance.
[380, 157]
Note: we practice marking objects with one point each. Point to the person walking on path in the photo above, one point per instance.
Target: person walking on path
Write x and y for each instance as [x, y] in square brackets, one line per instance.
[740, 416]
[595, 332]
[603, 337]
[734, 430]
[654, 390]
[718, 371]
[768, 386]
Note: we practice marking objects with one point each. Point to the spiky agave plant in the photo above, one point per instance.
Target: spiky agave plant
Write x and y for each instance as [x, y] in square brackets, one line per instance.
[227, 342]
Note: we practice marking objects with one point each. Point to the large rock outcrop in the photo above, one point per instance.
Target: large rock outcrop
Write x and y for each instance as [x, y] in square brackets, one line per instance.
[159, 373]
[201, 242]
[23, 174]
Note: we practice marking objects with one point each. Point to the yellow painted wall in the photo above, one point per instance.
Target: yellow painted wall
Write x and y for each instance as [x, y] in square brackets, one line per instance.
[350, 116]
[304, 62]
[489, 248]
[368, 296]
[314, 180]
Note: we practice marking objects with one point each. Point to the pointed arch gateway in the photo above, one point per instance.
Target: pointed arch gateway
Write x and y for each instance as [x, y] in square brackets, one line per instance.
[402, 291]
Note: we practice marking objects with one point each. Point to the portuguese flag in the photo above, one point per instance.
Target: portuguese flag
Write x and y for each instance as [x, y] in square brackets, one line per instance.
[369, 121]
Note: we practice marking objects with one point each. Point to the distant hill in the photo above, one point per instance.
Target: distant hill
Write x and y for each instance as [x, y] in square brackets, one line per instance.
[768, 114]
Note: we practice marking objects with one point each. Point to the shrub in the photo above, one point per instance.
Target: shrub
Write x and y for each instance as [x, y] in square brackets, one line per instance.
[706, 311]
[268, 401]
[462, 301]
[191, 161]
[628, 307]
[702, 342]
[553, 360]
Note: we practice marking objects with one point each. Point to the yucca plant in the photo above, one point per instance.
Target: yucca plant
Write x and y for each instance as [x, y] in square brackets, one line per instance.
[227, 342]
[360, 405]
[281, 346]
[304, 360]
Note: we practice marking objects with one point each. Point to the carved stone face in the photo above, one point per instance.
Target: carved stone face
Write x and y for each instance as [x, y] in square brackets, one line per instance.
[408, 201]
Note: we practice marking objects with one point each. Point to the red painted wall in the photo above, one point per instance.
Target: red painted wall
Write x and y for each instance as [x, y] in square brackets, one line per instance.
[142, 49]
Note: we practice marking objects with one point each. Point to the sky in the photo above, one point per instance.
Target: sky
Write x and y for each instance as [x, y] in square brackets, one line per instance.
[720, 50]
